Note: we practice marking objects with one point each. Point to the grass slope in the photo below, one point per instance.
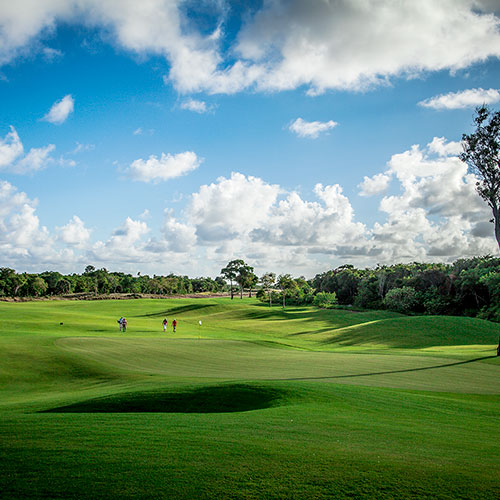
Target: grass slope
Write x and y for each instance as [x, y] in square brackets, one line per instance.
[254, 403]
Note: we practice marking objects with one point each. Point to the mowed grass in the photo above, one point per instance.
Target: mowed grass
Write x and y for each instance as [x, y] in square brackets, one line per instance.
[253, 403]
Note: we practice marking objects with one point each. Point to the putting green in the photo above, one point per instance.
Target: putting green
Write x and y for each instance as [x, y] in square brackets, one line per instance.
[239, 360]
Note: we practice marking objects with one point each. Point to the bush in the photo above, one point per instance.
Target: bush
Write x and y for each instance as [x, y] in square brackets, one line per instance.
[403, 300]
[325, 300]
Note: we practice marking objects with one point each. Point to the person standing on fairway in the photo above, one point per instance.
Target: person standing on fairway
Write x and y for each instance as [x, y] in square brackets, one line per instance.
[124, 325]
[120, 322]
[165, 323]
[174, 324]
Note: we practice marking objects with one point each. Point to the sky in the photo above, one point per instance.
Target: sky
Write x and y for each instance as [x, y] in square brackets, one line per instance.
[168, 136]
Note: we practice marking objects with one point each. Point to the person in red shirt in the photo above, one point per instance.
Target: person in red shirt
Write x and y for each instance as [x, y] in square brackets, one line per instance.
[174, 324]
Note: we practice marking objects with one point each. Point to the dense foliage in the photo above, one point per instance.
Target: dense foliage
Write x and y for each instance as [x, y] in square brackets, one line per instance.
[100, 281]
[468, 287]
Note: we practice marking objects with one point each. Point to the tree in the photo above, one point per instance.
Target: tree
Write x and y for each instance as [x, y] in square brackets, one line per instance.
[268, 281]
[252, 280]
[325, 300]
[481, 152]
[402, 299]
[285, 282]
[230, 272]
[244, 277]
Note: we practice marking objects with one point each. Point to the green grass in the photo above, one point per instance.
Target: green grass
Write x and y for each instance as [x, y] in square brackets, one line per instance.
[254, 403]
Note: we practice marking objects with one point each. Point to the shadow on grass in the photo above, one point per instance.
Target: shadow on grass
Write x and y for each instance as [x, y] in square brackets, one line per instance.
[215, 399]
[390, 372]
[176, 310]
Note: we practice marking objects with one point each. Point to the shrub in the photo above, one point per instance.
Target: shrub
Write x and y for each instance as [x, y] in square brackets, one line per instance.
[325, 300]
[402, 299]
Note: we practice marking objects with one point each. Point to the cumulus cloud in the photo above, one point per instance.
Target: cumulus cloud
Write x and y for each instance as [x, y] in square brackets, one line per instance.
[126, 244]
[60, 110]
[231, 206]
[74, 233]
[356, 45]
[195, 106]
[36, 159]
[13, 159]
[438, 212]
[311, 129]
[433, 214]
[179, 237]
[374, 185]
[464, 99]
[23, 240]
[285, 44]
[11, 148]
[166, 167]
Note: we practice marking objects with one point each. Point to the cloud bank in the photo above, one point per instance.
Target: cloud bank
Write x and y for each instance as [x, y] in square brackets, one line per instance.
[428, 210]
[285, 44]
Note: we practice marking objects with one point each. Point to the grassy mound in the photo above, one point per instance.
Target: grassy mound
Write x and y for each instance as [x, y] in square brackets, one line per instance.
[211, 399]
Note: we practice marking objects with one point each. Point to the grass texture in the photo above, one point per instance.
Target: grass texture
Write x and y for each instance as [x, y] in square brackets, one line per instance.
[255, 402]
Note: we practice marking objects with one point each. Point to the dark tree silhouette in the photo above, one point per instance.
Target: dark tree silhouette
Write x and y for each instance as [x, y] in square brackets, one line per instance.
[481, 152]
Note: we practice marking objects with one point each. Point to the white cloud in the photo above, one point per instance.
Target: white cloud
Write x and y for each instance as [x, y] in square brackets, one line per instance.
[231, 206]
[356, 45]
[442, 147]
[194, 105]
[36, 159]
[51, 54]
[74, 233]
[311, 129]
[127, 245]
[60, 110]
[285, 44]
[464, 99]
[166, 167]
[11, 148]
[179, 237]
[374, 185]
[23, 241]
[438, 215]
[13, 159]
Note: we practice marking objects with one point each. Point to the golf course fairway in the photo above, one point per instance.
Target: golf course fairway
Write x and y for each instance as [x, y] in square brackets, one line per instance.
[245, 401]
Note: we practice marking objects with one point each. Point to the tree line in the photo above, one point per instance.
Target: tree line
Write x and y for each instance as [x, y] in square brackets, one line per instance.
[468, 287]
[101, 282]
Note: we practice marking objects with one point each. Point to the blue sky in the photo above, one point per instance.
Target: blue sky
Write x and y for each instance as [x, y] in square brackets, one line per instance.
[298, 135]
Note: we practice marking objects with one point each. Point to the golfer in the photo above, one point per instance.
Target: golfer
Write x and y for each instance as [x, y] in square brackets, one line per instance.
[174, 324]
[165, 323]
[124, 325]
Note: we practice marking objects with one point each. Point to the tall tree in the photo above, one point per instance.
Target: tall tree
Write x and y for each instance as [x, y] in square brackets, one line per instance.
[285, 282]
[244, 277]
[231, 271]
[481, 152]
[268, 281]
[252, 280]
